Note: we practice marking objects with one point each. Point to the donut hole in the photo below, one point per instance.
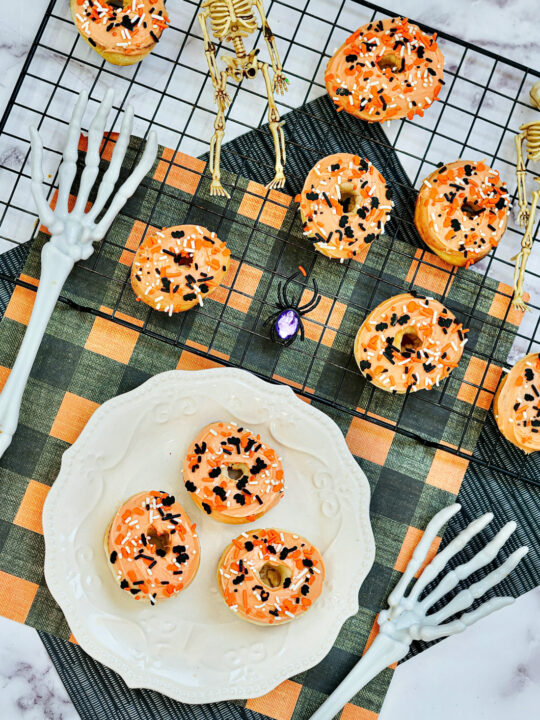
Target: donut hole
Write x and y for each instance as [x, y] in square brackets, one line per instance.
[408, 340]
[390, 61]
[471, 208]
[186, 260]
[120, 4]
[348, 198]
[273, 575]
[236, 471]
[160, 541]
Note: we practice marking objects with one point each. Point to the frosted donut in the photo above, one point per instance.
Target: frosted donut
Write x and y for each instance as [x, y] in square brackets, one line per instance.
[461, 211]
[344, 205]
[152, 547]
[409, 343]
[177, 268]
[270, 577]
[231, 474]
[123, 32]
[386, 70]
[516, 405]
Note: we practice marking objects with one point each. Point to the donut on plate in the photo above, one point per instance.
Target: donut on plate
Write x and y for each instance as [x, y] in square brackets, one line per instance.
[409, 343]
[462, 211]
[152, 547]
[123, 32]
[516, 405]
[177, 268]
[344, 205]
[386, 70]
[270, 577]
[231, 474]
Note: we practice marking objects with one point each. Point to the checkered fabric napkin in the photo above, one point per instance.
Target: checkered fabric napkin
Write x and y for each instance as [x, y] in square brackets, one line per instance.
[101, 342]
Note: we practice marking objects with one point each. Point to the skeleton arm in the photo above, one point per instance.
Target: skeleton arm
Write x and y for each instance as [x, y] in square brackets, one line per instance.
[523, 215]
[280, 83]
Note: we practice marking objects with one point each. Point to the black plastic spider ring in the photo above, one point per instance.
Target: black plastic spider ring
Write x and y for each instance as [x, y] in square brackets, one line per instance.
[287, 320]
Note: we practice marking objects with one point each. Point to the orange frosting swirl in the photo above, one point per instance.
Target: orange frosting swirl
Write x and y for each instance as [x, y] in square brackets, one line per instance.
[175, 269]
[270, 577]
[344, 205]
[462, 211]
[517, 404]
[231, 474]
[152, 547]
[131, 30]
[409, 343]
[386, 70]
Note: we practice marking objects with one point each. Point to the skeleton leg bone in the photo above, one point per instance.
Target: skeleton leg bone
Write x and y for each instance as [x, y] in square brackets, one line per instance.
[523, 214]
[276, 129]
[522, 257]
[216, 188]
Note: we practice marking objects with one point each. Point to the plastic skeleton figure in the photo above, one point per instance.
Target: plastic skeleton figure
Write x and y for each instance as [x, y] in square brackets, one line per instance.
[233, 20]
[530, 134]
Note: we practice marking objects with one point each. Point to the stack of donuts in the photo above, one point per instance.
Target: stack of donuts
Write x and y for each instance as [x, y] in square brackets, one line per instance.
[267, 576]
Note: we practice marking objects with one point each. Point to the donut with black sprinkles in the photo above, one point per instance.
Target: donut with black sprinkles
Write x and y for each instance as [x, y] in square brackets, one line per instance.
[386, 70]
[122, 33]
[231, 474]
[462, 211]
[152, 547]
[177, 268]
[344, 206]
[409, 343]
[516, 405]
[270, 576]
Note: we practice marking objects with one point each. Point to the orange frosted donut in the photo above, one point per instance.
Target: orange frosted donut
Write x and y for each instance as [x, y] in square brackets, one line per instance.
[409, 343]
[175, 269]
[386, 70]
[462, 211]
[344, 205]
[152, 547]
[270, 577]
[122, 32]
[516, 405]
[231, 474]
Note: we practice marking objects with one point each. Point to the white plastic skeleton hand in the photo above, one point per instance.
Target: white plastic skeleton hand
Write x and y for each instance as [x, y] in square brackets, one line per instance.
[407, 618]
[72, 233]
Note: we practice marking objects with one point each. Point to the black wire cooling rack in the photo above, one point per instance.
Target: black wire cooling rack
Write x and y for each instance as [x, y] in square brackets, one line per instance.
[483, 103]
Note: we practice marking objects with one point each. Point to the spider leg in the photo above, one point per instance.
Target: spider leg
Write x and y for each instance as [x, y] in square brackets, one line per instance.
[285, 286]
[272, 317]
[311, 304]
[301, 329]
[280, 296]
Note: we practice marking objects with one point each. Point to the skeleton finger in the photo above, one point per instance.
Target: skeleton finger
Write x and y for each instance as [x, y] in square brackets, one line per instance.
[480, 560]
[439, 561]
[129, 187]
[46, 215]
[421, 550]
[113, 172]
[68, 169]
[434, 632]
[476, 590]
[95, 137]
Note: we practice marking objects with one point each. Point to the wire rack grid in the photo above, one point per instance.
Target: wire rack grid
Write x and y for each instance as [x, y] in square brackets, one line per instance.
[483, 103]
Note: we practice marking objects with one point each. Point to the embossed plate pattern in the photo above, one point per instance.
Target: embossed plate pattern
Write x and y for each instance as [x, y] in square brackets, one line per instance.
[192, 647]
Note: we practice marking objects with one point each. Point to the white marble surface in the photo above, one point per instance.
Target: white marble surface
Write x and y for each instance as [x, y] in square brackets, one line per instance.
[493, 670]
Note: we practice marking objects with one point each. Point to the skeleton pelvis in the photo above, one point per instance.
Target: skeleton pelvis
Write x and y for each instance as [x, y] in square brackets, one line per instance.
[244, 67]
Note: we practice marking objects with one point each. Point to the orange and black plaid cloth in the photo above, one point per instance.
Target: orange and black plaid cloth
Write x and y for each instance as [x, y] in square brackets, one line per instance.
[101, 342]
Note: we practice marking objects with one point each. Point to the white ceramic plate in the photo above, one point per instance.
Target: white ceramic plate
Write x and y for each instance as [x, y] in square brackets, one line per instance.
[192, 647]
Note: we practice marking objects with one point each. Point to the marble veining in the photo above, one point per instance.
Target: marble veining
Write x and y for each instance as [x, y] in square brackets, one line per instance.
[491, 671]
